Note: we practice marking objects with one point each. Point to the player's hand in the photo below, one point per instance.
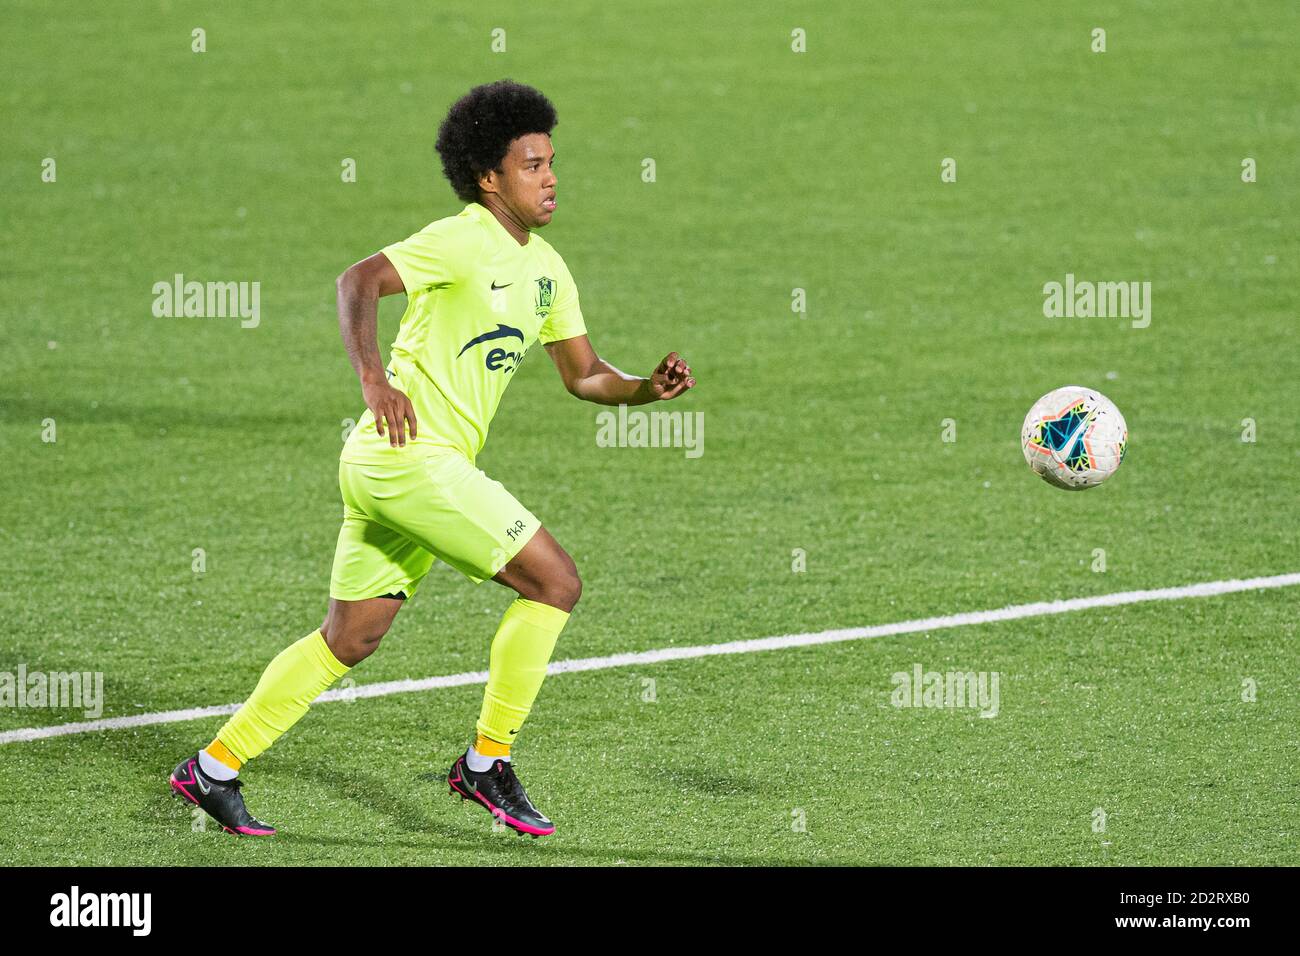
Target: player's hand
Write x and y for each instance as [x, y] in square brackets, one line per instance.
[391, 408]
[671, 378]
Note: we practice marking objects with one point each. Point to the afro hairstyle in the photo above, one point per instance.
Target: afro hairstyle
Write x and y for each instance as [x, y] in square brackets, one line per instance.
[481, 125]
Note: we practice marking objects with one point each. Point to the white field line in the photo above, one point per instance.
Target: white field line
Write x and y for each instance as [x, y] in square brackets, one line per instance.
[385, 688]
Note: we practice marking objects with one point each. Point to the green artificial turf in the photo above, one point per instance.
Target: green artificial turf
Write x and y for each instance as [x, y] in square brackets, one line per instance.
[775, 171]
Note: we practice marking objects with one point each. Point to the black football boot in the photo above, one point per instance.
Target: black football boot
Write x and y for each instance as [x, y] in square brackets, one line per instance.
[219, 799]
[499, 791]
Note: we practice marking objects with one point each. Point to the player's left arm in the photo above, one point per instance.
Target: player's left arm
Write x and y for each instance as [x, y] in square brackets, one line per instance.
[589, 377]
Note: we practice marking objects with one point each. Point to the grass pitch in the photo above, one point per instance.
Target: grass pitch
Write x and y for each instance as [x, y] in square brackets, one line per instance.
[775, 171]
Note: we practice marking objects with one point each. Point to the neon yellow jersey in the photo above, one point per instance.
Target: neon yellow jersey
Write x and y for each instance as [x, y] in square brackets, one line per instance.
[476, 302]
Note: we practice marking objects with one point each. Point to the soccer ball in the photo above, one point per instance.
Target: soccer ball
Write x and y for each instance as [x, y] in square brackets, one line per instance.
[1074, 438]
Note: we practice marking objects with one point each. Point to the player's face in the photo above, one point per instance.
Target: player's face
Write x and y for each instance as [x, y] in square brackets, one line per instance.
[528, 183]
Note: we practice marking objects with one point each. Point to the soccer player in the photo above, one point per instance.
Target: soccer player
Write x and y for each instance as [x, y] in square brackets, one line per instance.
[481, 287]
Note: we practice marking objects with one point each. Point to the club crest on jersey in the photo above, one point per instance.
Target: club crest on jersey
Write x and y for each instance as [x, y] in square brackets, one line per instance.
[545, 296]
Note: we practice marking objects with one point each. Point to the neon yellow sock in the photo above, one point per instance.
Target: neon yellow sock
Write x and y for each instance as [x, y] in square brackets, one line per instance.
[289, 684]
[517, 666]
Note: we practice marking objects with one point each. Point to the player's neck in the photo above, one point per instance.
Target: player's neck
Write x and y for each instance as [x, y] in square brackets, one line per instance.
[503, 216]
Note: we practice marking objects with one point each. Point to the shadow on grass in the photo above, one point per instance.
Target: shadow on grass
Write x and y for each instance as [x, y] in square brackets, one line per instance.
[428, 825]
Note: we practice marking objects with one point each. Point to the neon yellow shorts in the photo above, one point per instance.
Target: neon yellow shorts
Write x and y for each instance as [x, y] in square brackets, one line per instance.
[398, 518]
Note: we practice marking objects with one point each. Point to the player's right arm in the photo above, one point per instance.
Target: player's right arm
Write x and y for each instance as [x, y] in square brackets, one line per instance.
[359, 291]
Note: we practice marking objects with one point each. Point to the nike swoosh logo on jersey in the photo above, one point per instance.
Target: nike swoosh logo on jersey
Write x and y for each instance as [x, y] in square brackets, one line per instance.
[502, 331]
[495, 286]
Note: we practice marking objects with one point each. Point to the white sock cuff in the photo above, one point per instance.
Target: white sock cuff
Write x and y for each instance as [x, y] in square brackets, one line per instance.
[214, 768]
[478, 762]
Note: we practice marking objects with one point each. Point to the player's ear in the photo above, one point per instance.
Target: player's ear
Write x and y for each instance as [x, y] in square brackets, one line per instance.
[488, 181]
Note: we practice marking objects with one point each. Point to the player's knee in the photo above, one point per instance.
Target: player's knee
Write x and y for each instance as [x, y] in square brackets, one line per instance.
[563, 590]
[354, 642]
[353, 647]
